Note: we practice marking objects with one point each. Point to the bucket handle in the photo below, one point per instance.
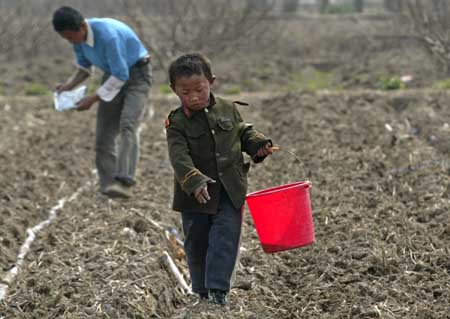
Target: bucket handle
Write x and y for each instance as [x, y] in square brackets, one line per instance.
[277, 148]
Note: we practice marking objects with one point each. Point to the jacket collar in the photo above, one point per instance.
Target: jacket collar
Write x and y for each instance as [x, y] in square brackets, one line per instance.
[90, 34]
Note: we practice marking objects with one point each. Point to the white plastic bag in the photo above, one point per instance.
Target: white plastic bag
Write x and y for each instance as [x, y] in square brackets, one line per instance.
[67, 100]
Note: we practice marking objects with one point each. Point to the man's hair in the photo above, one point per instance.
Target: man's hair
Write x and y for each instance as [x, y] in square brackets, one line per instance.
[67, 19]
[188, 65]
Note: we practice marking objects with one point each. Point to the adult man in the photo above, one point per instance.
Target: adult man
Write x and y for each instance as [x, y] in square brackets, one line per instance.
[113, 47]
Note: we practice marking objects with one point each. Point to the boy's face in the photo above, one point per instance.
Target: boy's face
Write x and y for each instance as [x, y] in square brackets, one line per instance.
[193, 91]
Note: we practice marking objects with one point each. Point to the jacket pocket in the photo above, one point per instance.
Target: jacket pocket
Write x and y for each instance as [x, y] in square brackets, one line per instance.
[226, 124]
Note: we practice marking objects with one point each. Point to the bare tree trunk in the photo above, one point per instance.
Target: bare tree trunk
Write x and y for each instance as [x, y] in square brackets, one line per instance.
[358, 5]
[323, 5]
[257, 4]
[179, 26]
[24, 29]
[431, 23]
[393, 5]
[290, 6]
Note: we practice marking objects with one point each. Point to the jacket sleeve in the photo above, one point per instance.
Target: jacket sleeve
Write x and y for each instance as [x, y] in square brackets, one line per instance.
[251, 140]
[186, 174]
[115, 52]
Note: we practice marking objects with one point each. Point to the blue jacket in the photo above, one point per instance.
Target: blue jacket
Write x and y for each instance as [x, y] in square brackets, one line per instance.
[114, 50]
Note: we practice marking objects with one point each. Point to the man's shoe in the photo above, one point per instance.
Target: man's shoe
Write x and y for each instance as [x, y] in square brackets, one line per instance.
[125, 180]
[218, 297]
[117, 190]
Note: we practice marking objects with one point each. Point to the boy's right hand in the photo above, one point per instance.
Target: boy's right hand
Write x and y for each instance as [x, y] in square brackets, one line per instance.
[201, 194]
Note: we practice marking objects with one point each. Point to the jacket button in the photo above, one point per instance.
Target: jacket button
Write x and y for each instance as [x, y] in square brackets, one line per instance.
[217, 154]
[213, 132]
[220, 174]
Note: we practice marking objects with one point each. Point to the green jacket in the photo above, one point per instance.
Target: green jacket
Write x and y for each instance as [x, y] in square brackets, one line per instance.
[207, 146]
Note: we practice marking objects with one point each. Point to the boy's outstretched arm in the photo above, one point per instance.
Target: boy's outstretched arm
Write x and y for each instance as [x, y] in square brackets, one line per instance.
[253, 143]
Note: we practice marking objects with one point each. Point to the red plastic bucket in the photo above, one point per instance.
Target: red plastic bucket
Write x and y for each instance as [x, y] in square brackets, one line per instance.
[282, 216]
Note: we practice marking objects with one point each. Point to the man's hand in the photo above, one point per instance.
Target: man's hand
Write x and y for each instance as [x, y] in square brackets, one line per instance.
[73, 81]
[86, 102]
[63, 87]
[201, 194]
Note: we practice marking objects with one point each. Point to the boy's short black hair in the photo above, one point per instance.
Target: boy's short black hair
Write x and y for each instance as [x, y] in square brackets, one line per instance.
[67, 19]
[188, 65]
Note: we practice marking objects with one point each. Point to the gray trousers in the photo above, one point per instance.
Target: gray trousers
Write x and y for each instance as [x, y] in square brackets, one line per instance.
[212, 246]
[117, 140]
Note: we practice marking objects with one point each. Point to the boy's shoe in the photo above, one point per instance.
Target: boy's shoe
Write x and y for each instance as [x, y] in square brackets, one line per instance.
[203, 296]
[117, 190]
[218, 297]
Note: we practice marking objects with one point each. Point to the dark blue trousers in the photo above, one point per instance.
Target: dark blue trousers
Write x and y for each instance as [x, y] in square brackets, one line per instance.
[211, 245]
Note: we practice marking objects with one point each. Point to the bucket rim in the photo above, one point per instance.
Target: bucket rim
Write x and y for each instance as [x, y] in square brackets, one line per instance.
[278, 188]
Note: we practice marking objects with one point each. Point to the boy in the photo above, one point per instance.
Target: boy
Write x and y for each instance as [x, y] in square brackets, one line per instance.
[113, 47]
[206, 137]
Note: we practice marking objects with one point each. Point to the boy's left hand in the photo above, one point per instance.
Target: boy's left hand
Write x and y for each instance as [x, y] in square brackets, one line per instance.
[201, 194]
[264, 151]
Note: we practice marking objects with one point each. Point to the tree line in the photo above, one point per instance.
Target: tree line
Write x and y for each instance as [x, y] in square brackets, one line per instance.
[170, 26]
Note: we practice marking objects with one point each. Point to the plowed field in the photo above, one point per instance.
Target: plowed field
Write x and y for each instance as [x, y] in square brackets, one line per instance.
[379, 166]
